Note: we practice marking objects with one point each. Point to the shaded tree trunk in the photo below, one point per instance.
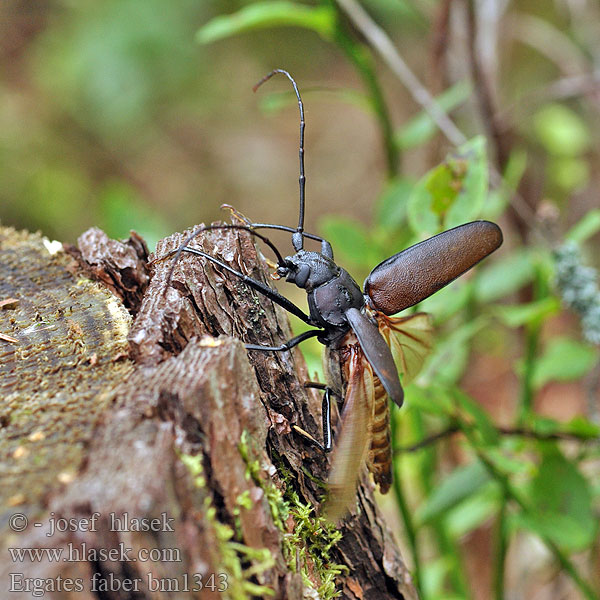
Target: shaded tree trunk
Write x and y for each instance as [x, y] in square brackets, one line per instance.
[131, 411]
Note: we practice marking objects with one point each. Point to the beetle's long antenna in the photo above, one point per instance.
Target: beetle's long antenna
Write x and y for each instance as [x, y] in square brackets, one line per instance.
[259, 286]
[177, 253]
[297, 237]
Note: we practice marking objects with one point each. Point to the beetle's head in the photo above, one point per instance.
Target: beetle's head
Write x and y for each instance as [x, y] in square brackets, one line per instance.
[295, 270]
[307, 270]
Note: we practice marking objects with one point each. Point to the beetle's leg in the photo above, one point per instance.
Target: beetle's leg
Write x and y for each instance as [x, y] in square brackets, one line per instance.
[326, 413]
[309, 438]
[287, 345]
[257, 285]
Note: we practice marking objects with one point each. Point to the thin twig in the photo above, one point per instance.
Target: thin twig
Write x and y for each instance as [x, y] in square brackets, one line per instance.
[549, 41]
[587, 84]
[483, 89]
[508, 431]
[382, 43]
[439, 45]
[7, 338]
[430, 439]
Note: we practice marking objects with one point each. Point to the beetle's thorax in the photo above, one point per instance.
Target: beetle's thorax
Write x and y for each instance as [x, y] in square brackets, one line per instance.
[331, 290]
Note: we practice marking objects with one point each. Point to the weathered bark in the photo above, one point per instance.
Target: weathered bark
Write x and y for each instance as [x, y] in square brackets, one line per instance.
[189, 429]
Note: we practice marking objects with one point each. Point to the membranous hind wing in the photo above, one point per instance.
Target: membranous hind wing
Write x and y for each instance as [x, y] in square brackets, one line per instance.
[410, 340]
[421, 270]
[354, 434]
[386, 382]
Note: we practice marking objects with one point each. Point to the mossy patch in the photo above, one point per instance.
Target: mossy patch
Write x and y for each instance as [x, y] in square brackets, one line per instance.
[308, 539]
[239, 562]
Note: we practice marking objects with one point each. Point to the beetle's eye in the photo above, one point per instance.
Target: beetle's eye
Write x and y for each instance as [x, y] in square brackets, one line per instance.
[301, 276]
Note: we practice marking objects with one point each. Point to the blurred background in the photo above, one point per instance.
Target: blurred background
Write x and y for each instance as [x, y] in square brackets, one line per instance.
[113, 115]
[139, 114]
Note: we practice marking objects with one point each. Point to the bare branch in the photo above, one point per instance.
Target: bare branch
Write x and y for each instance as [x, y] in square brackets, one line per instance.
[508, 431]
[382, 43]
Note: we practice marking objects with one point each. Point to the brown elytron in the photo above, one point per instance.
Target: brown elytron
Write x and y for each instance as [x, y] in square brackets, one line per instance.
[421, 270]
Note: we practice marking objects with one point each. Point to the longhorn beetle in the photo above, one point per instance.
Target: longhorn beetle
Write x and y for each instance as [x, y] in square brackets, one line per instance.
[365, 346]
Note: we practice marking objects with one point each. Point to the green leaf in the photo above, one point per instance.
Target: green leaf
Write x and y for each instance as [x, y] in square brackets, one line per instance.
[516, 315]
[462, 483]
[473, 512]
[505, 276]
[569, 173]
[449, 359]
[564, 530]
[583, 427]
[434, 579]
[565, 359]
[392, 204]
[431, 400]
[350, 238]
[451, 193]
[499, 198]
[509, 464]
[561, 503]
[472, 196]
[448, 301]
[544, 425]
[483, 424]
[588, 226]
[561, 131]
[262, 15]
[421, 128]
[423, 220]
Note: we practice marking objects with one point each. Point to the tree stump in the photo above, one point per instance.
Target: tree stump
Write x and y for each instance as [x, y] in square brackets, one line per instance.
[146, 453]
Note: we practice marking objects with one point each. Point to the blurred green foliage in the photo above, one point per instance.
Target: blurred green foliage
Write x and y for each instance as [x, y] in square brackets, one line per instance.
[500, 431]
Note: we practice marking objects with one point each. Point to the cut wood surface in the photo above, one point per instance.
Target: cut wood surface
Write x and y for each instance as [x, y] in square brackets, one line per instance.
[130, 397]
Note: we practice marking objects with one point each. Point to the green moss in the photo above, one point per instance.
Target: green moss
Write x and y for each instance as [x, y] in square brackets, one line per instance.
[308, 546]
[277, 505]
[310, 543]
[194, 466]
[239, 562]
